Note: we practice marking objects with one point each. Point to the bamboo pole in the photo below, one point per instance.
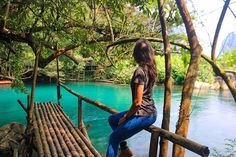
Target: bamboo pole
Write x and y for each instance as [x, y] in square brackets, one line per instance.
[43, 130]
[38, 139]
[22, 105]
[96, 103]
[154, 144]
[58, 84]
[80, 138]
[79, 112]
[54, 129]
[28, 102]
[84, 131]
[58, 120]
[58, 125]
[177, 139]
[55, 139]
[82, 143]
[81, 125]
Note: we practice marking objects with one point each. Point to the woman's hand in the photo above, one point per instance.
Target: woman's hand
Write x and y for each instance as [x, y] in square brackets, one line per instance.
[121, 120]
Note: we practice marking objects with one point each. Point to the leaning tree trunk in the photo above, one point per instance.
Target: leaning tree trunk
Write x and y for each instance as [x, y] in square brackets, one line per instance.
[168, 81]
[213, 51]
[196, 50]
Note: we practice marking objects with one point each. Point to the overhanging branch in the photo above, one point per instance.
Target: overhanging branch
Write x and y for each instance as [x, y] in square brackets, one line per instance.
[217, 70]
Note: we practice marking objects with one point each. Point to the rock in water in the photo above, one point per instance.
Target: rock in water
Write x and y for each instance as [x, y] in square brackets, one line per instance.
[11, 136]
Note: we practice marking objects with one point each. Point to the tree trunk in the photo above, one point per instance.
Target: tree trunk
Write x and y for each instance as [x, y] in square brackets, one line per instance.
[196, 50]
[29, 130]
[168, 81]
[213, 51]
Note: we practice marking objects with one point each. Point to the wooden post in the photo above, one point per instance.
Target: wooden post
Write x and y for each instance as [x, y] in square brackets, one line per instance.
[154, 144]
[28, 101]
[58, 84]
[80, 124]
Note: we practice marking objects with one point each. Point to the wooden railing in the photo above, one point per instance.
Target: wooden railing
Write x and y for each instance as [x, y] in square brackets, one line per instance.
[155, 131]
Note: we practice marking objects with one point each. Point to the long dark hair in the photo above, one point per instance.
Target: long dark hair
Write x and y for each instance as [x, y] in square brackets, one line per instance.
[144, 56]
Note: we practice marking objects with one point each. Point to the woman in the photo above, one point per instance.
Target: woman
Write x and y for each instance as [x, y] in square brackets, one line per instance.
[142, 112]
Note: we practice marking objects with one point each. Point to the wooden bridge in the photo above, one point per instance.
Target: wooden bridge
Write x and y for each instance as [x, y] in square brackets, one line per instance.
[57, 136]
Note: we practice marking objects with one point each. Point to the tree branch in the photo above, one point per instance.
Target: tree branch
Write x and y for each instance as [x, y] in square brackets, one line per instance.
[216, 69]
[109, 23]
[76, 60]
[151, 39]
[218, 27]
[220, 72]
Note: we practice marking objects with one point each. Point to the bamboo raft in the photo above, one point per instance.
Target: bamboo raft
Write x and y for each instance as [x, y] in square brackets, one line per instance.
[56, 136]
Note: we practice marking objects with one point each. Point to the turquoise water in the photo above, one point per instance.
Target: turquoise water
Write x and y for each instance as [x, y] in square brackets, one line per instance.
[212, 120]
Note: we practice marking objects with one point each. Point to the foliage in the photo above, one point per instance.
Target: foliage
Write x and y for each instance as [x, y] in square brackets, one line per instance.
[205, 73]
[89, 26]
[124, 69]
[230, 149]
[122, 73]
[228, 60]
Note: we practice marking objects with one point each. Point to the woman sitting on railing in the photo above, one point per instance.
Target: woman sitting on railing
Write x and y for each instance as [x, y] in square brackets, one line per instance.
[142, 112]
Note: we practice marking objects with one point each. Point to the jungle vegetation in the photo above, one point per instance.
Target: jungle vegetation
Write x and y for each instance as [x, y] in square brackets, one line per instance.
[78, 32]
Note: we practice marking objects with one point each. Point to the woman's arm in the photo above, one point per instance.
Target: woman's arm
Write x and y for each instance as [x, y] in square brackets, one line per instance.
[137, 102]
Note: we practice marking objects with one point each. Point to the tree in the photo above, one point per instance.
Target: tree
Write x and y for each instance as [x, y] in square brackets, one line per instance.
[168, 80]
[195, 50]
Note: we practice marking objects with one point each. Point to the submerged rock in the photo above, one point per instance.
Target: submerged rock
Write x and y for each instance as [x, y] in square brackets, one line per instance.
[11, 136]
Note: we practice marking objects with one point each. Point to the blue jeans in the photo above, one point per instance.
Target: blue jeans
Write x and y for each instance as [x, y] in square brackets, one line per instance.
[125, 130]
